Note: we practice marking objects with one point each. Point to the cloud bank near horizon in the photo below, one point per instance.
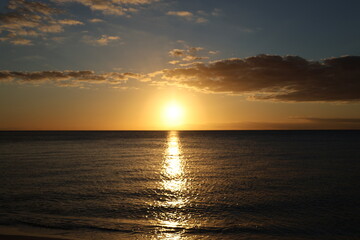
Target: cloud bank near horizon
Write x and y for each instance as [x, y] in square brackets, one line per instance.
[262, 77]
[67, 78]
[273, 77]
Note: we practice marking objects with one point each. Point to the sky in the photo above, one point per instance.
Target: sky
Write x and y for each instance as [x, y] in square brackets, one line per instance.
[210, 64]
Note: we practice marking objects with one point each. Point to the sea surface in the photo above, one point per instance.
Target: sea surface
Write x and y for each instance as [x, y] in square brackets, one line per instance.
[182, 184]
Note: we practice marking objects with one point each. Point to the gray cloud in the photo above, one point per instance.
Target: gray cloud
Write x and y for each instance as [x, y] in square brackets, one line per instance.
[272, 77]
[67, 78]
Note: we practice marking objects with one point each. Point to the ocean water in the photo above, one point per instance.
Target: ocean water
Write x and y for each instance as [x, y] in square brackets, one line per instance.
[182, 185]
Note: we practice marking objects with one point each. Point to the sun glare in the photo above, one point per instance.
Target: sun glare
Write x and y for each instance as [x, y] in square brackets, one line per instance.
[173, 114]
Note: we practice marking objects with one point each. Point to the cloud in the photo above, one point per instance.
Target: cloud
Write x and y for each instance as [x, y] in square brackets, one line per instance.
[193, 58]
[174, 62]
[67, 78]
[96, 20]
[201, 20]
[189, 64]
[55, 28]
[30, 19]
[189, 16]
[185, 14]
[276, 78]
[102, 41]
[263, 77]
[70, 22]
[188, 54]
[110, 7]
[21, 41]
[32, 6]
[213, 52]
[177, 52]
[199, 16]
[58, 39]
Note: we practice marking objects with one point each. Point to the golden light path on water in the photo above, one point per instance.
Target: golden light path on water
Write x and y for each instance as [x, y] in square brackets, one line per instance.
[173, 184]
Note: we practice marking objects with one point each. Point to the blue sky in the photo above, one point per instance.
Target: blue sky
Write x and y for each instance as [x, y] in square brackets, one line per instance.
[311, 29]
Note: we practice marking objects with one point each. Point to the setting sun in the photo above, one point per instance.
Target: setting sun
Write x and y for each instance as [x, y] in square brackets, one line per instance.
[173, 114]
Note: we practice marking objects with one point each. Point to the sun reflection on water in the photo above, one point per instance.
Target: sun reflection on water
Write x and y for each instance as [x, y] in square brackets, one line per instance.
[173, 185]
[173, 170]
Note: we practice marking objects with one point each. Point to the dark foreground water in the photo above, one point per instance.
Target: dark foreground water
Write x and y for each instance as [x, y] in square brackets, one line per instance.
[182, 185]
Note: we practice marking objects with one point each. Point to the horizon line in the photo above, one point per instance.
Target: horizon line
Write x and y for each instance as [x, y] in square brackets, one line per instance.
[179, 130]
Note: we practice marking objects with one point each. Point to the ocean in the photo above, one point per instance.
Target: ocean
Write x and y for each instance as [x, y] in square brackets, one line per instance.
[182, 184]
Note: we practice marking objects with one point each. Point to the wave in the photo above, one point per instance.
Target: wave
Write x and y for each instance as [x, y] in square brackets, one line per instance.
[146, 227]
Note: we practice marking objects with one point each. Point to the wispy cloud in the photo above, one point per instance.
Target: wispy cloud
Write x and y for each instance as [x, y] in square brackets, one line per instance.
[276, 78]
[189, 16]
[96, 20]
[101, 41]
[20, 41]
[70, 22]
[185, 14]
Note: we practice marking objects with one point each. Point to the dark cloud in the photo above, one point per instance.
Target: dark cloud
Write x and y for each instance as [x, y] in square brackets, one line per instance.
[263, 77]
[67, 78]
[272, 77]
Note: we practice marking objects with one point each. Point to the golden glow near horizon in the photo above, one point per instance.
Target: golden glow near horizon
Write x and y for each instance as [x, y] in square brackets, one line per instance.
[173, 114]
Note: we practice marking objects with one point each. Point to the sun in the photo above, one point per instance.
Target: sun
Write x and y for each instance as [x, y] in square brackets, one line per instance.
[173, 114]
